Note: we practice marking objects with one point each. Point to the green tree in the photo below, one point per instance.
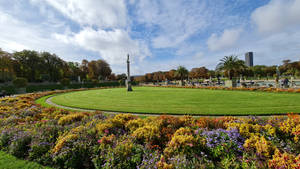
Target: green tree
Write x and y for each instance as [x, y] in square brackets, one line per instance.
[53, 66]
[182, 73]
[29, 63]
[231, 65]
[6, 66]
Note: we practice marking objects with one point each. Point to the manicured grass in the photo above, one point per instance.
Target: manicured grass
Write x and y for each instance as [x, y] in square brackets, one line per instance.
[10, 162]
[182, 101]
[42, 101]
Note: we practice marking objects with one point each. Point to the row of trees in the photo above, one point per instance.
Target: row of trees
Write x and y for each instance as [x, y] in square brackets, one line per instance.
[229, 66]
[44, 66]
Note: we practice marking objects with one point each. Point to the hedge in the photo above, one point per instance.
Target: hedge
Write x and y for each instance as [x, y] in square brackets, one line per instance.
[48, 87]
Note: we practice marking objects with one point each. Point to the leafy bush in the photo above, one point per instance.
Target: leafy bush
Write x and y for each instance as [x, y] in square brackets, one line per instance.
[20, 82]
[39, 152]
[124, 154]
[65, 81]
[20, 144]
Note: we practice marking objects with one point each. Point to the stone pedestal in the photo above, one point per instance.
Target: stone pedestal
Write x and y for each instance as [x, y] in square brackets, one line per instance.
[230, 83]
[128, 86]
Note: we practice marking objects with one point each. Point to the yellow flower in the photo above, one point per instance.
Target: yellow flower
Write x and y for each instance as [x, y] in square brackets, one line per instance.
[259, 145]
[61, 141]
[71, 118]
[147, 133]
[132, 125]
[296, 133]
[270, 129]
[284, 160]
[120, 120]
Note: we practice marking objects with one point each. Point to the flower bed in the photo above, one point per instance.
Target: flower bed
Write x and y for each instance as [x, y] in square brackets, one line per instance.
[66, 139]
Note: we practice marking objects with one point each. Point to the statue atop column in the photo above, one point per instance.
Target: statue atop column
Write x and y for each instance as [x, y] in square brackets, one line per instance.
[128, 82]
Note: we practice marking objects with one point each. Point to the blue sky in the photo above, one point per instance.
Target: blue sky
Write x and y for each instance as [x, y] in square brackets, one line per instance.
[158, 34]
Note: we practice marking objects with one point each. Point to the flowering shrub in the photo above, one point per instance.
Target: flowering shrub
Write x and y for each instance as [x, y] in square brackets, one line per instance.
[66, 139]
[223, 143]
[264, 89]
[284, 160]
[71, 118]
[147, 134]
[182, 141]
[259, 145]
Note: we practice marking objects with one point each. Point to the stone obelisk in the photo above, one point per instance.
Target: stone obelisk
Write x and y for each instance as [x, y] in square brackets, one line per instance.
[128, 83]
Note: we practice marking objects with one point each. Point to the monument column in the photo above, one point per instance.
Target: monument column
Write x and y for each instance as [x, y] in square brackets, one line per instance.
[128, 84]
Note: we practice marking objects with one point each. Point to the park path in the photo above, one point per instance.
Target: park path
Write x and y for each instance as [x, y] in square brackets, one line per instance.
[48, 101]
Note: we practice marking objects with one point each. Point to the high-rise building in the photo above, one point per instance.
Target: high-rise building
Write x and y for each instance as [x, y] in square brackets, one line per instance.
[249, 59]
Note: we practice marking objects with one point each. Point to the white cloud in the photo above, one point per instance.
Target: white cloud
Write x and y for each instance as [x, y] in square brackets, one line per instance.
[112, 45]
[176, 20]
[227, 40]
[277, 15]
[18, 35]
[101, 13]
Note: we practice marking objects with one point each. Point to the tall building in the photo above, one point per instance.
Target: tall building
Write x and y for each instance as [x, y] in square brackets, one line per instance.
[249, 59]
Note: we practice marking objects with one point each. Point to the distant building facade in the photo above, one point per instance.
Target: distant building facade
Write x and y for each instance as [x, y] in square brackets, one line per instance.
[249, 59]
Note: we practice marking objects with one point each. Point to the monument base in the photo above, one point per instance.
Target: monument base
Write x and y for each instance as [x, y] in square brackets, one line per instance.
[129, 88]
[230, 83]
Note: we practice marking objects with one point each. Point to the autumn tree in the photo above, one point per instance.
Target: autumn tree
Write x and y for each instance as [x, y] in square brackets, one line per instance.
[99, 69]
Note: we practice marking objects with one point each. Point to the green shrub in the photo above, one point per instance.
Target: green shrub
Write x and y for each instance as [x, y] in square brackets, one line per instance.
[39, 152]
[125, 154]
[20, 144]
[8, 89]
[65, 81]
[4, 139]
[20, 82]
[95, 81]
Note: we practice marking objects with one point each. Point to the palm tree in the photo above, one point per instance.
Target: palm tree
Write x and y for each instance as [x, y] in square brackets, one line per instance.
[231, 64]
[182, 72]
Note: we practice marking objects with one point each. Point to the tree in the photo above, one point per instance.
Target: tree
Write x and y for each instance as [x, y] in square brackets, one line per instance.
[104, 69]
[6, 66]
[201, 72]
[182, 73]
[122, 76]
[149, 77]
[112, 77]
[84, 69]
[99, 69]
[159, 76]
[30, 65]
[140, 78]
[53, 66]
[230, 65]
[170, 75]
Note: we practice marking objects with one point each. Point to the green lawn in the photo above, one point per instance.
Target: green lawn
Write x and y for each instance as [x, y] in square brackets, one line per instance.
[10, 162]
[182, 101]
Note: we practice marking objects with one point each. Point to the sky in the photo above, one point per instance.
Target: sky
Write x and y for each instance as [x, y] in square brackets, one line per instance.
[157, 34]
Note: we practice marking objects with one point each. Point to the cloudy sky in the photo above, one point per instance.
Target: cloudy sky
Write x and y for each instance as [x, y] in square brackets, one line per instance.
[158, 34]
